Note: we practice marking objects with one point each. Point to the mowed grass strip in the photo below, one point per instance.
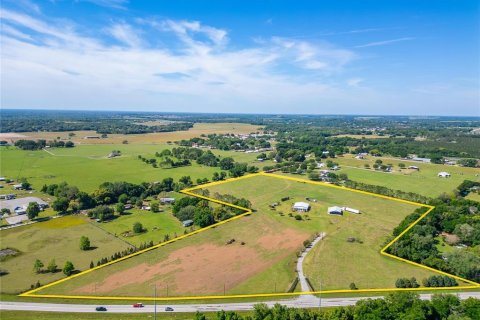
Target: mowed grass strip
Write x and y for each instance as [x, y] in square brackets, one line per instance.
[335, 263]
[203, 264]
[57, 239]
[425, 181]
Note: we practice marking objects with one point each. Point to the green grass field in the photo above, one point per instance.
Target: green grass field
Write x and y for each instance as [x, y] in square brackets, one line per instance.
[424, 182]
[87, 166]
[157, 225]
[55, 239]
[335, 263]
[190, 266]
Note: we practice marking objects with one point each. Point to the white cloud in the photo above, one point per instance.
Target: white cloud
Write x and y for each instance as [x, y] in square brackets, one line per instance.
[126, 34]
[382, 43]
[354, 82]
[115, 4]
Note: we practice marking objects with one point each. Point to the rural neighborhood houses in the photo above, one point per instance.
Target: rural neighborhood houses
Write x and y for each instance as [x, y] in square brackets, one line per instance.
[444, 174]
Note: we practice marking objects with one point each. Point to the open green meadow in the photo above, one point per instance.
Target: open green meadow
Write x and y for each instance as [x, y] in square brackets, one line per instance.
[425, 181]
[334, 263]
[87, 166]
[57, 239]
[156, 225]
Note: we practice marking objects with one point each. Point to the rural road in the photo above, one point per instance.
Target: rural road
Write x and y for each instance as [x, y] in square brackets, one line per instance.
[301, 276]
[302, 302]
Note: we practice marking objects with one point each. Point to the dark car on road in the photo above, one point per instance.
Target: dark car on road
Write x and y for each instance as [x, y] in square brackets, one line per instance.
[168, 309]
[100, 309]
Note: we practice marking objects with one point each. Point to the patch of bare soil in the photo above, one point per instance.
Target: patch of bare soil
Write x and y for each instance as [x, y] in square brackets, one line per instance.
[205, 268]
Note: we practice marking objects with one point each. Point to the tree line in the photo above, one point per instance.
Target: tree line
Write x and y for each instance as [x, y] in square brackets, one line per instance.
[401, 305]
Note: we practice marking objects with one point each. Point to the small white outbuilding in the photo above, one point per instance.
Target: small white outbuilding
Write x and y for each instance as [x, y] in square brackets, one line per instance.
[444, 174]
[301, 206]
[335, 210]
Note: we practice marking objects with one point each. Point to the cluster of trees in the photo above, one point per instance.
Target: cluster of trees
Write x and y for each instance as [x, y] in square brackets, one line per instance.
[71, 198]
[452, 216]
[230, 141]
[402, 305]
[406, 283]
[181, 156]
[52, 267]
[466, 187]
[40, 144]
[439, 281]
[189, 208]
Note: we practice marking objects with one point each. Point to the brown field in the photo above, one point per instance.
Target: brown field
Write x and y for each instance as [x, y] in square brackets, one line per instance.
[160, 137]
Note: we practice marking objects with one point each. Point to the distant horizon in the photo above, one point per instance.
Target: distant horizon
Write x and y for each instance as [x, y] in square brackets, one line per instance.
[249, 113]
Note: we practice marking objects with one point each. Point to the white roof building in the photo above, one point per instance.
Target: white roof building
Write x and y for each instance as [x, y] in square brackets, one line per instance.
[352, 210]
[335, 210]
[301, 206]
[444, 174]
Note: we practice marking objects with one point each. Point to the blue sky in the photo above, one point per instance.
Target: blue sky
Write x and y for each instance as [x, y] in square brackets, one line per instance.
[320, 57]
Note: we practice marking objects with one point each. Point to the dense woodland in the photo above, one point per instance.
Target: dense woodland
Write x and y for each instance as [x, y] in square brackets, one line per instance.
[457, 220]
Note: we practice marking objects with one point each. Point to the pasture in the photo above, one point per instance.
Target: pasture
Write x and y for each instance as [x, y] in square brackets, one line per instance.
[57, 239]
[425, 181]
[262, 257]
[156, 225]
[88, 166]
[334, 262]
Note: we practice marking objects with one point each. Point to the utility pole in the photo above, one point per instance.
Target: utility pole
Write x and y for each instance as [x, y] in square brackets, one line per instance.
[155, 301]
[320, 295]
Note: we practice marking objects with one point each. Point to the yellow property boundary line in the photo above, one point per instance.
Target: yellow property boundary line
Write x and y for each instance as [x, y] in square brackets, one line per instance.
[189, 191]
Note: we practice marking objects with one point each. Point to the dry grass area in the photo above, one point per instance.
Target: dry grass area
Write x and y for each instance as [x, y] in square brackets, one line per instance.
[160, 137]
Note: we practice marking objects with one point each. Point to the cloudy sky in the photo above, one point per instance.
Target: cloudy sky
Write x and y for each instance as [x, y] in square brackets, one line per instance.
[321, 57]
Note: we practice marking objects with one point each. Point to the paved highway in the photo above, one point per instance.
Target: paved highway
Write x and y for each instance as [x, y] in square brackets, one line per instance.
[300, 302]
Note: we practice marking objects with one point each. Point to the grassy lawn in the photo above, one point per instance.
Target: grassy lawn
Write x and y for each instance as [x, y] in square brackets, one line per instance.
[88, 166]
[474, 196]
[55, 239]
[157, 225]
[425, 181]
